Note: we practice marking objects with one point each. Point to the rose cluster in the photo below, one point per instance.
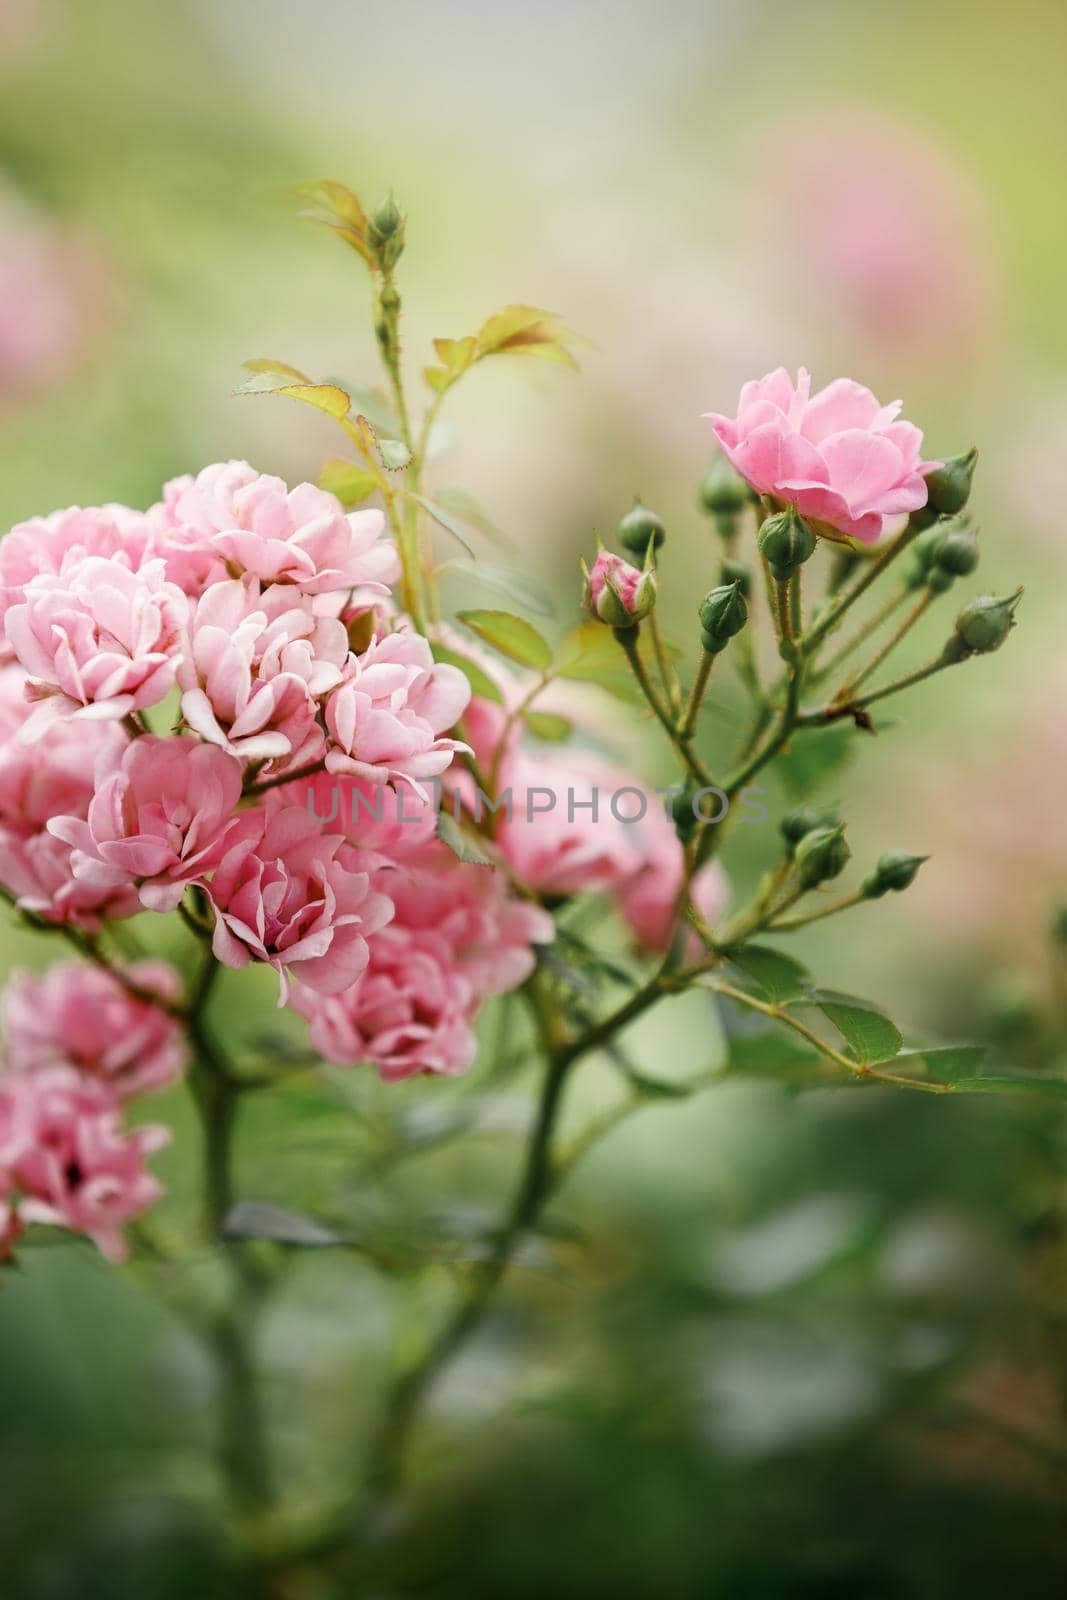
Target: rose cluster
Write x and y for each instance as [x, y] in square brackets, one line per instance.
[219, 695]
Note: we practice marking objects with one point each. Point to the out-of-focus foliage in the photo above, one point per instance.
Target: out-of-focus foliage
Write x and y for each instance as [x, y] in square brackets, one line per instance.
[782, 1343]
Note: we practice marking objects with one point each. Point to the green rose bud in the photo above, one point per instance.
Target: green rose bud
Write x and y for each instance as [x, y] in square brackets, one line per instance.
[385, 235]
[723, 613]
[924, 518]
[1058, 926]
[984, 624]
[821, 855]
[724, 495]
[957, 552]
[895, 870]
[939, 581]
[949, 488]
[804, 820]
[787, 542]
[922, 555]
[736, 572]
[640, 528]
[616, 593]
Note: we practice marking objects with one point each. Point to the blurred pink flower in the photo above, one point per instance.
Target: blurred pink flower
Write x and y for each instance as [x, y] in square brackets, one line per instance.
[458, 936]
[387, 719]
[254, 667]
[287, 893]
[159, 821]
[256, 525]
[82, 1017]
[840, 457]
[64, 1151]
[54, 295]
[96, 639]
[43, 544]
[883, 231]
[53, 777]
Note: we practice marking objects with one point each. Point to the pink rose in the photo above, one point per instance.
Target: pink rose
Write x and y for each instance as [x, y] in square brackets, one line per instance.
[387, 719]
[254, 667]
[256, 525]
[44, 544]
[97, 639]
[288, 894]
[458, 936]
[64, 1151]
[160, 821]
[842, 459]
[80, 1016]
[53, 777]
[618, 593]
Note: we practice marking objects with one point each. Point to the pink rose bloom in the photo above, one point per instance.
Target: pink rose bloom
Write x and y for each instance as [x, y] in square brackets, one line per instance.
[53, 777]
[63, 1149]
[96, 639]
[458, 937]
[553, 841]
[387, 719]
[288, 894]
[258, 526]
[254, 667]
[158, 822]
[80, 1016]
[557, 845]
[617, 591]
[840, 457]
[44, 544]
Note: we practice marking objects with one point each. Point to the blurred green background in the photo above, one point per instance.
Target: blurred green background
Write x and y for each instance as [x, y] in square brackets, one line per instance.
[807, 1345]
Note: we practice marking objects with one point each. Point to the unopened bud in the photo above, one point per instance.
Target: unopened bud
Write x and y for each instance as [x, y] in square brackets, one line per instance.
[385, 234]
[957, 552]
[984, 624]
[895, 869]
[821, 855]
[617, 593]
[640, 528]
[949, 487]
[787, 542]
[724, 495]
[804, 820]
[723, 613]
[736, 572]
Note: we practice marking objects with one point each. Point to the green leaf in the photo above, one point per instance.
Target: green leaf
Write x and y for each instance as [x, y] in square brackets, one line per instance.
[481, 683]
[779, 977]
[337, 208]
[462, 844]
[351, 484]
[1012, 1083]
[591, 655]
[868, 1032]
[513, 636]
[510, 581]
[443, 519]
[323, 396]
[394, 453]
[268, 364]
[779, 1056]
[548, 726]
[811, 761]
[468, 510]
[945, 1063]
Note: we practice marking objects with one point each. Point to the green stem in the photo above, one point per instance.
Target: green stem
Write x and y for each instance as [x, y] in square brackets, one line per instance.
[687, 726]
[830, 618]
[847, 689]
[801, 920]
[667, 676]
[628, 638]
[863, 633]
[832, 713]
[242, 1441]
